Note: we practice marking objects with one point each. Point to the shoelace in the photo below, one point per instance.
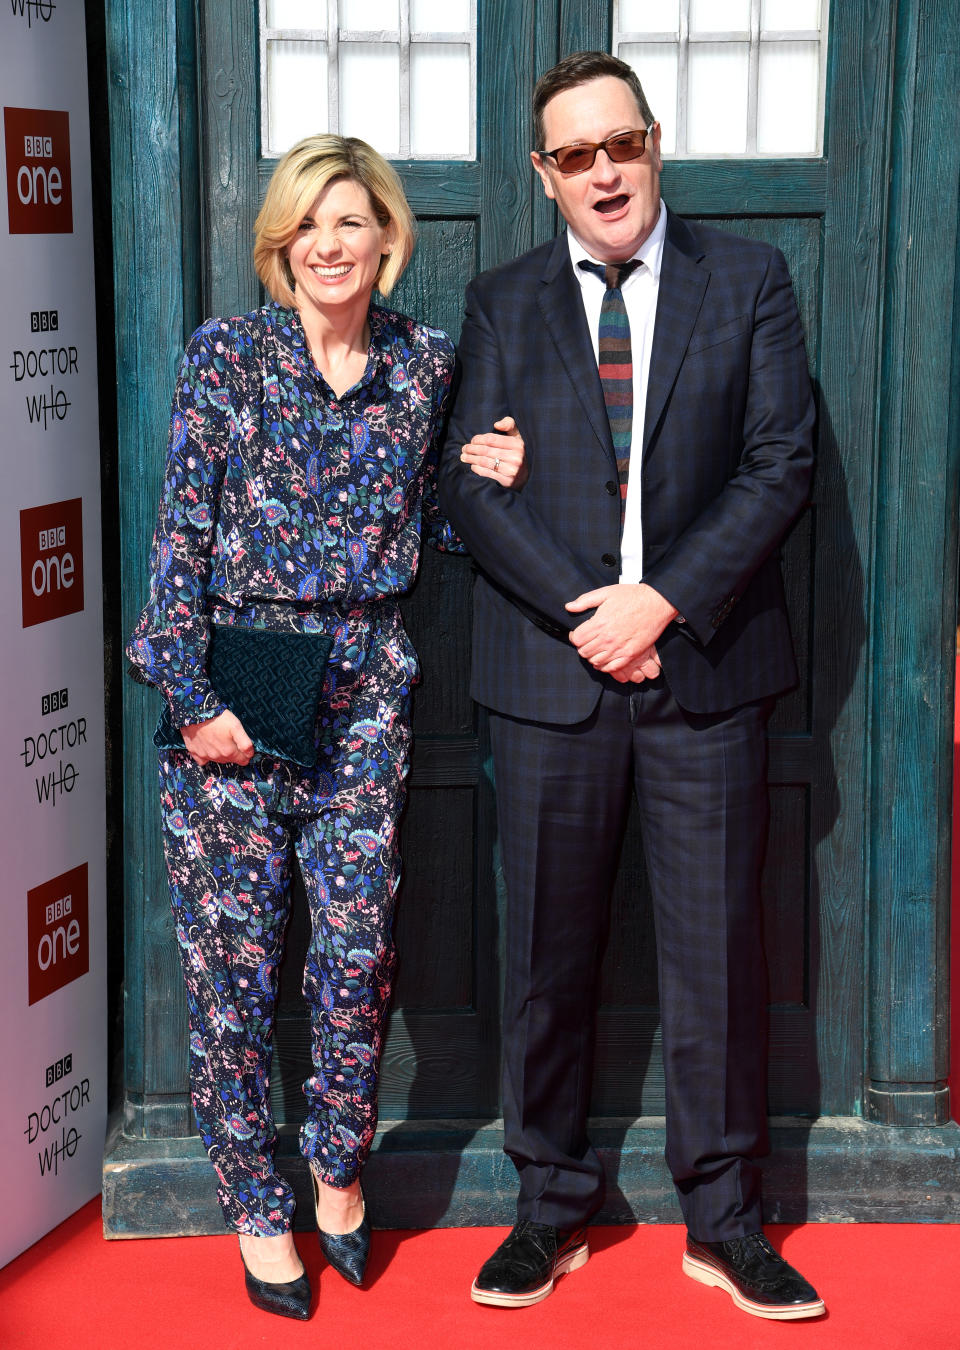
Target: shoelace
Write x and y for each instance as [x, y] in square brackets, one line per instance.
[539, 1233]
[753, 1246]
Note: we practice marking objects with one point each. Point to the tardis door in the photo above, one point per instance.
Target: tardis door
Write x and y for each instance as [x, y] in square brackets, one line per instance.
[854, 888]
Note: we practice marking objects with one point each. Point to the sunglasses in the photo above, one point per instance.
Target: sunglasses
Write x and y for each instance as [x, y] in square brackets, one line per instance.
[626, 145]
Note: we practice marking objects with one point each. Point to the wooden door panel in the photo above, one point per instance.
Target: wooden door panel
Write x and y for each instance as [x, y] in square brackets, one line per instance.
[435, 928]
[437, 618]
[793, 712]
[431, 289]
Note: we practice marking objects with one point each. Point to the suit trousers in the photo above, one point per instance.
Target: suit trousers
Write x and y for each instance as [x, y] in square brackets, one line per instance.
[563, 793]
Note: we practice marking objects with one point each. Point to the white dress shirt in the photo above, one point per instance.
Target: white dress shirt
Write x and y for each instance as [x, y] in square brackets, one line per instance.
[640, 291]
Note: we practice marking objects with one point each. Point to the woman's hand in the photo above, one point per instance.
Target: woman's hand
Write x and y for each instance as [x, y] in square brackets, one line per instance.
[222, 740]
[499, 454]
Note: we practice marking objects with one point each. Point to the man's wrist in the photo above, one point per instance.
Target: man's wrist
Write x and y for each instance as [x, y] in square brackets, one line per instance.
[666, 611]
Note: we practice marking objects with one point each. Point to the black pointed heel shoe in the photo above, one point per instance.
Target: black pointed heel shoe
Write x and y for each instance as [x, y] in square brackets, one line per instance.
[286, 1300]
[346, 1252]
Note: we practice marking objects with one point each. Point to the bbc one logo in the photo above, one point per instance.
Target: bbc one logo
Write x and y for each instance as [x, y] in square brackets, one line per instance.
[51, 561]
[58, 933]
[39, 192]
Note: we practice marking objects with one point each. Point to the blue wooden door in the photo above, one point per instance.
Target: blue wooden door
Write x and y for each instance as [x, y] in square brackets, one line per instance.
[441, 1055]
[856, 881]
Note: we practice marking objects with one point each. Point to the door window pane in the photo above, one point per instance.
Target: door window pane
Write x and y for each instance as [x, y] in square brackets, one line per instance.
[717, 98]
[640, 16]
[370, 94]
[440, 16]
[719, 16]
[368, 16]
[790, 16]
[439, 99]
[295, 14]
[787, 108]
[299, 70]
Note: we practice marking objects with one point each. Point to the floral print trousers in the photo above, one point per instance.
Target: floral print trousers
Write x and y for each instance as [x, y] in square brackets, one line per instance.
[230, 833]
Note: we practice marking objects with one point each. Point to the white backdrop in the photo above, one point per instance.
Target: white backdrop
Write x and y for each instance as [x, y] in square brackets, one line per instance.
[52, 953]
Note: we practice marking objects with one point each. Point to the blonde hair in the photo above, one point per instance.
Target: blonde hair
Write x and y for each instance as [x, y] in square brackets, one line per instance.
[298, 180]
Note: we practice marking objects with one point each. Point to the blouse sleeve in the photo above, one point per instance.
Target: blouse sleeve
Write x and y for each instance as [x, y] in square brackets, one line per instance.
[437, 530]
[168, 647]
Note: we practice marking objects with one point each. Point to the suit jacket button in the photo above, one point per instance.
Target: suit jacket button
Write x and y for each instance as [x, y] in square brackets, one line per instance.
[611, 488]
[608, 560]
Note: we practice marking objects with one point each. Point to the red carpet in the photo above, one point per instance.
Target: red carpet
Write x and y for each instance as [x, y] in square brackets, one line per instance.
[886, 1286]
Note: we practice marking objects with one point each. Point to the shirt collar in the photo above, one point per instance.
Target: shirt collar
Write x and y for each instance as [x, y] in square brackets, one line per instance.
[650, 251]
[290, 335]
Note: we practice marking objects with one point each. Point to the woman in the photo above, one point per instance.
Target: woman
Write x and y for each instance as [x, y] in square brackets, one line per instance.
[302, 455]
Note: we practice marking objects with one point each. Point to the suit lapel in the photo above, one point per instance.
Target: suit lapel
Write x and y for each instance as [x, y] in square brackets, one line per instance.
[561, 305]
[683, 282]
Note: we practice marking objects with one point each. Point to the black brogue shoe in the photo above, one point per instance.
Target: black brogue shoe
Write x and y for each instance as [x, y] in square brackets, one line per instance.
[525, 1266]
[755, 1276]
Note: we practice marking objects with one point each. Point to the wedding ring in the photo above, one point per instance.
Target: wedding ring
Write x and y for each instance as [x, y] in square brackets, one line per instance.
[496, 464]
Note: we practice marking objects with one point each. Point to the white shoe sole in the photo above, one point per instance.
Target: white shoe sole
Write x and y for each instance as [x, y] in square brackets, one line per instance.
[709, 1275]
[572, 1261]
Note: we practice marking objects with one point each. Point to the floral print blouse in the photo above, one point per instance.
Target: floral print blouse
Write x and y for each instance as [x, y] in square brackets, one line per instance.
[279, 496]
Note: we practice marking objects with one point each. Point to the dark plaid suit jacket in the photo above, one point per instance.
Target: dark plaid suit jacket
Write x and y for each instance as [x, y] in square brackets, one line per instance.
[725, 469]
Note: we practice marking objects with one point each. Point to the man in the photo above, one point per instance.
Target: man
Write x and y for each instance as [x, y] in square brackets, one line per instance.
[630, 632]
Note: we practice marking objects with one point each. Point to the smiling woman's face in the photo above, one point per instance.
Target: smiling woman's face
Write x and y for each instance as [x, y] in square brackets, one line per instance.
[336, 253]
[610, 207]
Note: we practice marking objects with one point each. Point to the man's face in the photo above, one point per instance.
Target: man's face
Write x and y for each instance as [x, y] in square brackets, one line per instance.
[610, 207]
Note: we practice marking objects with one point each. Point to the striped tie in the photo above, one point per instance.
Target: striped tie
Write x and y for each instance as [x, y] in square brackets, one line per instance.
[616, 364]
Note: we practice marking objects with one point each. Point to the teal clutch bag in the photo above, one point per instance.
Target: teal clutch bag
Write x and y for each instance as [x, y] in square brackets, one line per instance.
[272, 682]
